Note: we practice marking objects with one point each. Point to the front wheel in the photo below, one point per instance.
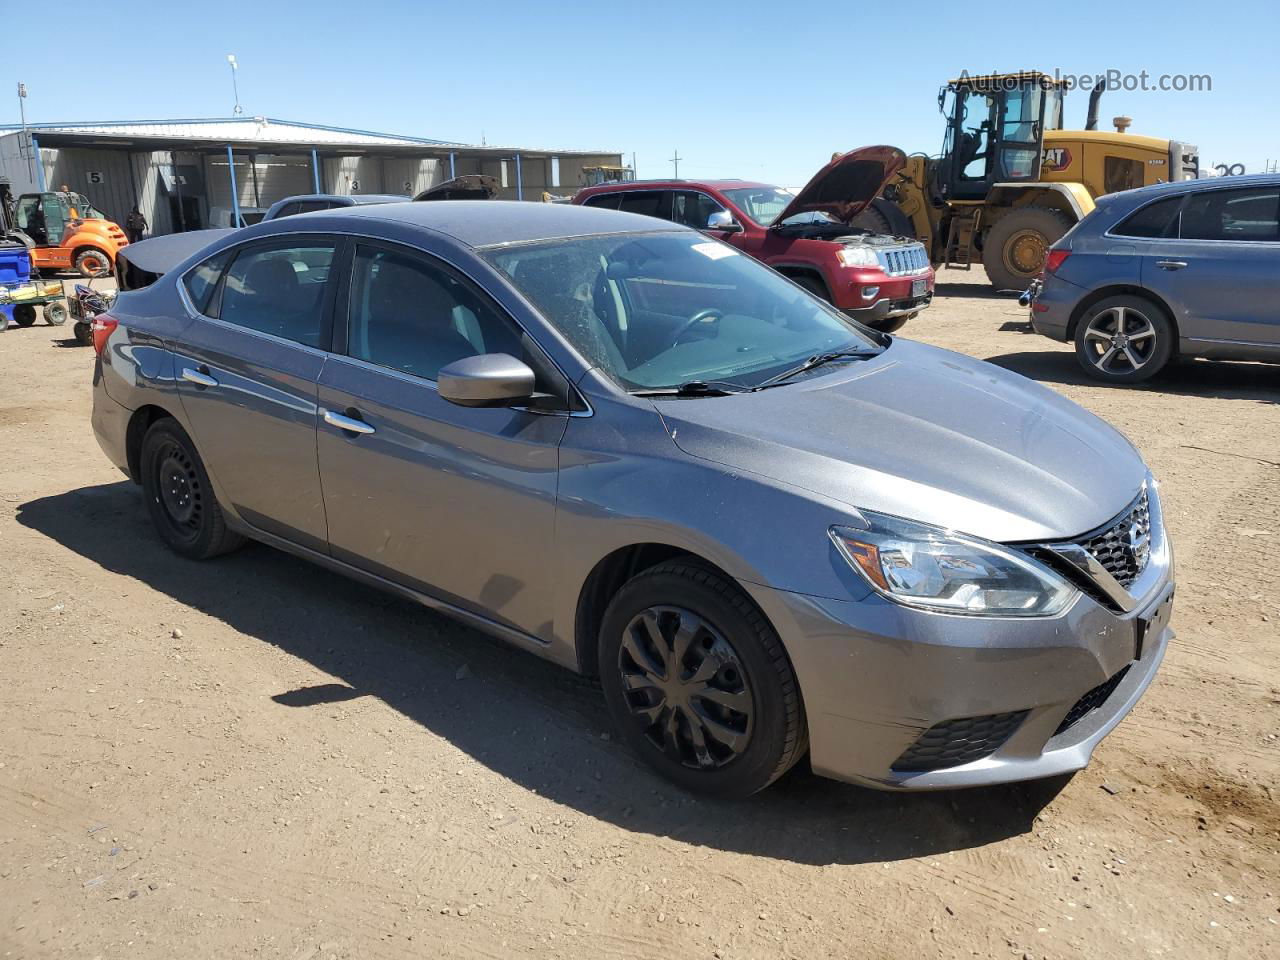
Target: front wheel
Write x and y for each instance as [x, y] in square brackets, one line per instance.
[1124, 340]
[55, 314]
[83, 332]
[889, 324]
[698, 682]
[93, 264]
[24, 314]
[1014, 249]
[179, 495]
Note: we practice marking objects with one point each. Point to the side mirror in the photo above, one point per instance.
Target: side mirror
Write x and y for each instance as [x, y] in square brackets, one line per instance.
[723, 221]
[487, 380]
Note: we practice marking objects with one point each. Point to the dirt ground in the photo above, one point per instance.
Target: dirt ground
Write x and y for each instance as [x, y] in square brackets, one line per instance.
[255, 758]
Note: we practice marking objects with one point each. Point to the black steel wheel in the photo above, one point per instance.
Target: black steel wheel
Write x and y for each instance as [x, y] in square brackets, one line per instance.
[698, 682]
[179, 495]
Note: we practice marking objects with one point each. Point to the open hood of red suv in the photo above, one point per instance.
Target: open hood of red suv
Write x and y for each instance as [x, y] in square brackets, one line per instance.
[845, 186]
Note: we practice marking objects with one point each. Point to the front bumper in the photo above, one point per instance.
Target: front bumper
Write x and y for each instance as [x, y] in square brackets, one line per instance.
[885, 309]
[876, 676]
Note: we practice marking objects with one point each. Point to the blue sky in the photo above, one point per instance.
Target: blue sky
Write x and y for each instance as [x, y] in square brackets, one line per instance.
[748, 89]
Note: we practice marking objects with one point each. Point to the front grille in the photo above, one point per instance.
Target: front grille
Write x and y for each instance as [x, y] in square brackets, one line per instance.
[1124, 547]
[954, 743]
[1090, 701]
[903, 260]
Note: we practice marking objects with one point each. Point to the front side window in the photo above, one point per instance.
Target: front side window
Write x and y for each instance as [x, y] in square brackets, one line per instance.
[278, 290]
[412, 315]
[1155, 220]
[692, 208]
[1251, 214]
[658, 310]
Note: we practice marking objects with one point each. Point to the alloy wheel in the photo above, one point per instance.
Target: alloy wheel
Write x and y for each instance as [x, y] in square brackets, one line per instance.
[1120, 340]
[686, 687]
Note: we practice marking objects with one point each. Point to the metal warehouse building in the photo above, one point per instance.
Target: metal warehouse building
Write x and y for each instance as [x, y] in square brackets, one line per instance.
[189, 174]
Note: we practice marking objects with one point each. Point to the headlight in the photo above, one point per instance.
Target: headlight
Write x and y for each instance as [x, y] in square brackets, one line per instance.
[935, 569]
[858, 257]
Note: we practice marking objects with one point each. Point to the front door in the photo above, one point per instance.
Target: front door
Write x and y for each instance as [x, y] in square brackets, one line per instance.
[457, 502]
[1222, 272]
[247, 372]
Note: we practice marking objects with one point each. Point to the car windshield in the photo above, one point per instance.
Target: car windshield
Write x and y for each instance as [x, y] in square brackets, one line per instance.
[761, 204]
[659, 310]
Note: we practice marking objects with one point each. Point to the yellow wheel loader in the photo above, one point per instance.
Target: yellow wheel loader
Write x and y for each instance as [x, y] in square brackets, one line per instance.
[1010, 180]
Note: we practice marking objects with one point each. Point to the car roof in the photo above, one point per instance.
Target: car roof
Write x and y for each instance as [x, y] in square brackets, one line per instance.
[725, 184]
[1204, 183]
[353, 199]
[480, 223]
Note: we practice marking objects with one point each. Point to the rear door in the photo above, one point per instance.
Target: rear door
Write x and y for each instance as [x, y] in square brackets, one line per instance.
[1222, 271]
[247, 369]
[458, 502]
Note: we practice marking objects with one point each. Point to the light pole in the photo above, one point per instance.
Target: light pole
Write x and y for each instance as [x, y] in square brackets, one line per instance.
[26, 144]
[231, 60]
[675, 160]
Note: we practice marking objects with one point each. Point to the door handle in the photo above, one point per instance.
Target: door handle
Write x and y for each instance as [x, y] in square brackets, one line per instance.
[1171, 264]
[350, 424]
[198, 377]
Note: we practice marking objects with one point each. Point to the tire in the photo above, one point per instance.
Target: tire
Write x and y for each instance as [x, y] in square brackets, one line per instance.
[888, 324]
[55, 314]
[4, 322]
[83, 332]
[24, 314]
[1149, 336]
[731, 746]
[92, 263]
[1013, 250]
[179, 496]
[813, 285]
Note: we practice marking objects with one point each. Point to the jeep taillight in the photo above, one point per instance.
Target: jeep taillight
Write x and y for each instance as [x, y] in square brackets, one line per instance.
[1055, 259]
[103, 326]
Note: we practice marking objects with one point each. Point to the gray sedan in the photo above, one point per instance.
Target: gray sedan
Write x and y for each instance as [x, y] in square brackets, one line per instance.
[627, 448]
[1180, 269]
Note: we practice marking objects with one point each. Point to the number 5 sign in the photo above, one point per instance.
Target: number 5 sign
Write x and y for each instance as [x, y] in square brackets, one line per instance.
[95, 176]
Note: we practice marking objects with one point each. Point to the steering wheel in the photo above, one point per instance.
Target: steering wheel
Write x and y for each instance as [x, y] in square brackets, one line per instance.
[700, 317]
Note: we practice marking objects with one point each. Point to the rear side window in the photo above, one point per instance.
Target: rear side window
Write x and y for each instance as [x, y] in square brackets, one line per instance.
[607, 200]
[647, 202]
[1251, 214]
[1157, 219]
[201, 280]
[278, 290]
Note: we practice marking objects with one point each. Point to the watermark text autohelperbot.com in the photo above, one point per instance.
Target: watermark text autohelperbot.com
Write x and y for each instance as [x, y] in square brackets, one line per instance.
[1142, 81]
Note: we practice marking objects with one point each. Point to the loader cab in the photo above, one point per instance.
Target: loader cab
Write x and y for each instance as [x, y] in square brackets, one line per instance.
[44, 216]
[995, 131]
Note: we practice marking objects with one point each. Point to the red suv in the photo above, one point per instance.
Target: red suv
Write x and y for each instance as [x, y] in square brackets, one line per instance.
[878, 280]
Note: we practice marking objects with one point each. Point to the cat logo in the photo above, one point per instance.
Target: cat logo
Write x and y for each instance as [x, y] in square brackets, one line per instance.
[1056, 158]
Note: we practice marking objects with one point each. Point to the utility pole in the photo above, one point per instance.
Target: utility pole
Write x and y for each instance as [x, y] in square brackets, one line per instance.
[26, 144]
[231, 60]
[675, 160]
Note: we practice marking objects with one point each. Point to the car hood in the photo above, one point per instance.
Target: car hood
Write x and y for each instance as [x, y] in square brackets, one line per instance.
[471, 186]
[925, 434]
[843, 188]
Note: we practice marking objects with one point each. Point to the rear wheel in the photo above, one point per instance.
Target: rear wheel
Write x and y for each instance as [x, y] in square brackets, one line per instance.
[179, 496]
[1124, 339]
[55, 314]
[24, 314]
[698, 682]
[92, 263]
[84, 332]
[1013, 251]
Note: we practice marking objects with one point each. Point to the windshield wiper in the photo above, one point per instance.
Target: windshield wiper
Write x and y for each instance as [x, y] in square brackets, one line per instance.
[816, 360]
[694, 388]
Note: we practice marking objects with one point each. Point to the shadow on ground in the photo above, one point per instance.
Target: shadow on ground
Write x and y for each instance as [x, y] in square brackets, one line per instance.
[524, 718]
[1227, 380]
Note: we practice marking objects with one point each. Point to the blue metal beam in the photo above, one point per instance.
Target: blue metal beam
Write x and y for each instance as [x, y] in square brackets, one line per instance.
[315, 169]
[452, 172]
[519, 185]
[235, 192]
[35, 150]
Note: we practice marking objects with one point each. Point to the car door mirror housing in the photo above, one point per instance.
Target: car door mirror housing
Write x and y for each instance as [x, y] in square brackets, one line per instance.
[486, 380]
[723, 221]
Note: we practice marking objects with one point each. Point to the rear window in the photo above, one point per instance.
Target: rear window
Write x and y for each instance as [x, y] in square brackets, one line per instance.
[201, 279]
[1157, 219]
